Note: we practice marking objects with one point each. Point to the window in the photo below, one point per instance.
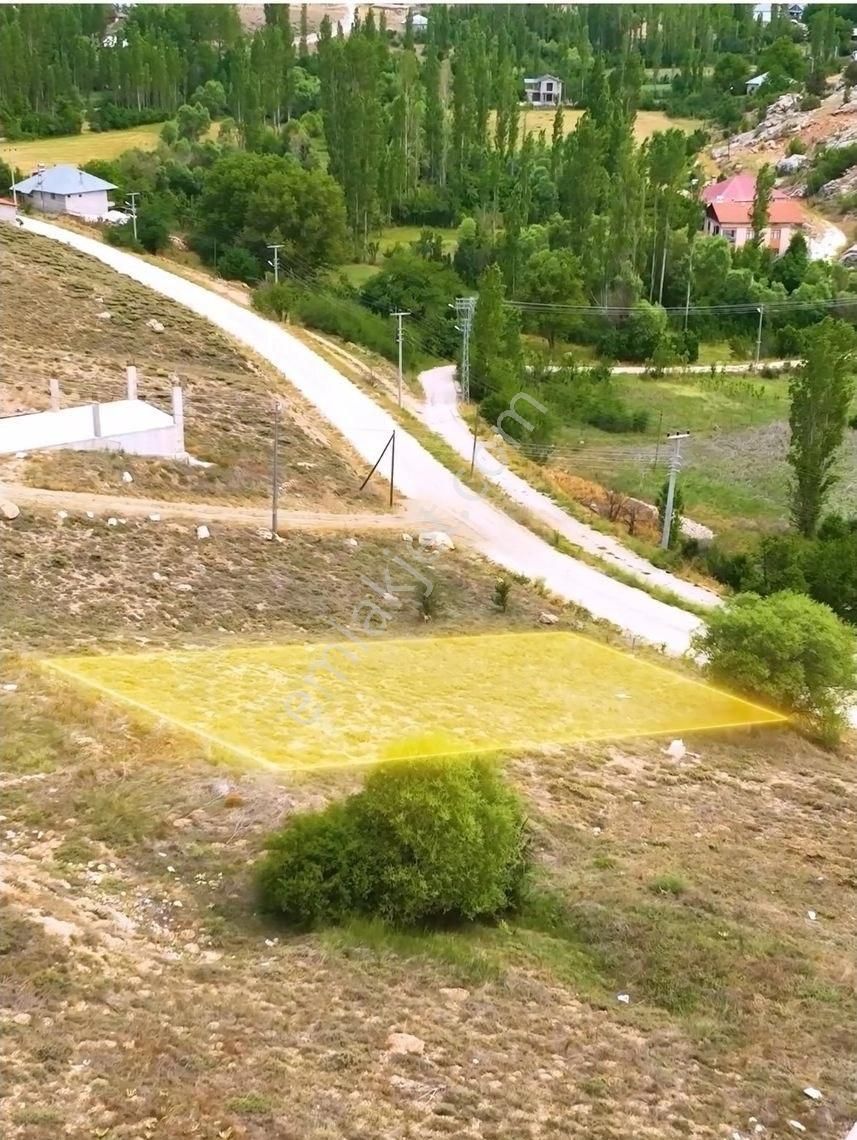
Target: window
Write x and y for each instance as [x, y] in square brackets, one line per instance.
[729, 234]
[548, 87]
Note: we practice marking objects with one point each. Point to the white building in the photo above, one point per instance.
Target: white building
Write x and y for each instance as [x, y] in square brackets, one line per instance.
[8, 210]
[543, 90]
[66, 190]
[419, 22]
[129, 425]
[756, 82]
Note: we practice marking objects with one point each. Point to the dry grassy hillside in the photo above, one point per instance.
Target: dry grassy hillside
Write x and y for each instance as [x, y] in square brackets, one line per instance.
[142, 996]
[50, 326]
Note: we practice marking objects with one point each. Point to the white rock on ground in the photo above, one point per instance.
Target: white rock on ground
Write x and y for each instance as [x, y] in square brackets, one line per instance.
[436, 540]
[203, 532]
[127, 477]
[548, 619]
[812, 1093]
[8, 509]
[112, 521]
[402, 1043]
[676, 750]
[154, 325]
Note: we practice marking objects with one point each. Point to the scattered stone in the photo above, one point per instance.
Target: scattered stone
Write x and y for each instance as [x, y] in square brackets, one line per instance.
[9, 687]
[112, 521]
[127, 477]
[676, 750]
[8, 509]
[90, 514]
[62, 515]
[154, 518]
[184, 587]
[625, 999]
[436, 540]
[221, 788]
[796, 1125]
[154, 325]
[104, 315]
[453, 993]
[811, 915]
[548, 619]
[407, 538]
[203, 532]
[266, 534]
[22, 1018]
[392, 600]
[812, 1093]
[401, 1043]
[20, 455]
[352, 543]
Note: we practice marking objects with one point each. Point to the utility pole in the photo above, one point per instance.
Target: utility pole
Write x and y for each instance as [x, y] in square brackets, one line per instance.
[464, 310]
[399, 316]
[475, 436]
[675, 464]
[275, 264]
[131, 204]
[759, 335]
[689, 278]
[275, 469]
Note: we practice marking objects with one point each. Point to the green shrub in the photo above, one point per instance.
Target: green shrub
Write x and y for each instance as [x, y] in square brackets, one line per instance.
[787, 650]
[500, 598]
[427, 841]
[796, 146]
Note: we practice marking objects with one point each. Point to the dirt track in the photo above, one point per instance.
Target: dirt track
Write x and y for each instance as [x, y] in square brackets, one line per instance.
[258, 517]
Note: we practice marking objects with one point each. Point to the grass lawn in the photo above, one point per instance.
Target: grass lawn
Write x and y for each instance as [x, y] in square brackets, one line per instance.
[77, 149]
[132, 949]
[359, 272]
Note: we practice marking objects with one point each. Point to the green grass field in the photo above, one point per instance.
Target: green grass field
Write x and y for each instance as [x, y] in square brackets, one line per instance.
[80, 148]
[734, 467]
[359, 272]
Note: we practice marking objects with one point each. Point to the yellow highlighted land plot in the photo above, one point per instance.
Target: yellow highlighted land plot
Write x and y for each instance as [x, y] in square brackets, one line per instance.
[329, 705]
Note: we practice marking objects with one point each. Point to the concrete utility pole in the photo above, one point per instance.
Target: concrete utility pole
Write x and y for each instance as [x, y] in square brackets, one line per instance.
[275, 264]
[131, 204]
[275, 469]
[675, 465]
[689, 279]
[464, 309]
[759, 334]
[399, 316]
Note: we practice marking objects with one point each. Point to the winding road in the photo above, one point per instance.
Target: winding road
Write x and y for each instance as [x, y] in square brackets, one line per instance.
[443, 500]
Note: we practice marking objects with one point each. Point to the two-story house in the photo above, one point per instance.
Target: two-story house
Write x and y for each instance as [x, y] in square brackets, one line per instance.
[543, 91]
[729, 204]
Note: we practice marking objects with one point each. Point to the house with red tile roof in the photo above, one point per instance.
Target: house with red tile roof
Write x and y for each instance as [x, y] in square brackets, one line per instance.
[729, 204]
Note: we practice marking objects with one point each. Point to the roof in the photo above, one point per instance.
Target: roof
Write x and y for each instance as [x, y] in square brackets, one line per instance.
[757, 80]
[62, 180]
[781, 212]
[738, 188]
[419, 20]
[541, 78]
[74, 425]
[7, 202]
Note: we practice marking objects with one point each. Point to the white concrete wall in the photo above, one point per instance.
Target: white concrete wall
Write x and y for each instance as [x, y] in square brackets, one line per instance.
[92, 204]
[157, 443]
[7, 213]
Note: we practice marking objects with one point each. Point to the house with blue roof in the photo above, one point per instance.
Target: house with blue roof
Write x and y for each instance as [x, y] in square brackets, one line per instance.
[66, 190]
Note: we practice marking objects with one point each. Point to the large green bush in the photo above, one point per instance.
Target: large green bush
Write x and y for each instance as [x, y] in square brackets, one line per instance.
[787, 650]
[426, 841]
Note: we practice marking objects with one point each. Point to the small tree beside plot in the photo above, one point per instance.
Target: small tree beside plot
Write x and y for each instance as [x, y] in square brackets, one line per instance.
[426, 842]
[787, 650]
